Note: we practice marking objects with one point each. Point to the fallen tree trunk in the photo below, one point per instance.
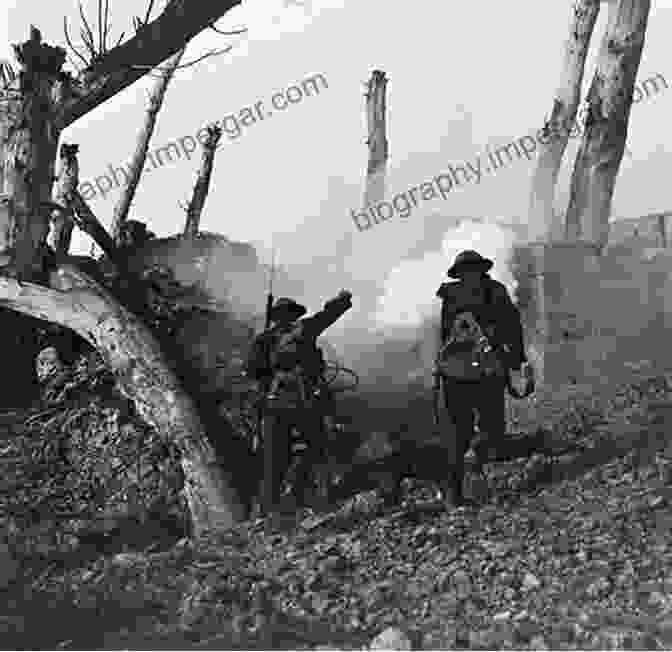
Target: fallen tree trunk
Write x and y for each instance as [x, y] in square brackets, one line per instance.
[143, 375]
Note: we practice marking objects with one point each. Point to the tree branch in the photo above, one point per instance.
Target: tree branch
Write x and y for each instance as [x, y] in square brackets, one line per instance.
[44, 303]
[86, 33]
[68, 40]
[154, 43]
[89, 223]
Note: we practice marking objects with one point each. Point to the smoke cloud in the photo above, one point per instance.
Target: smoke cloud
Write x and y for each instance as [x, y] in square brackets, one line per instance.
[390, 336]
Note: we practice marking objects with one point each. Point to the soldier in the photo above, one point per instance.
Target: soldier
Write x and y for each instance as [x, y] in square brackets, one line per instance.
[481, 342]
[290, 366]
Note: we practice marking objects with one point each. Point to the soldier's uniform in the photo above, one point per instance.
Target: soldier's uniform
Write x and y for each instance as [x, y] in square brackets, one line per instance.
[499, 318]
[286, 360]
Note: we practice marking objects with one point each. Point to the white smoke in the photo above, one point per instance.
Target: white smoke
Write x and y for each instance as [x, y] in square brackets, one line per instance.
[395, 343]
[409, 300]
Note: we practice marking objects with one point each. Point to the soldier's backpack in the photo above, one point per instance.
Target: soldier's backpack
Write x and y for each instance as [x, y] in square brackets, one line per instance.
[282, 348]
[292, 349]
[257, 364]
[468, 353]
[287, 345]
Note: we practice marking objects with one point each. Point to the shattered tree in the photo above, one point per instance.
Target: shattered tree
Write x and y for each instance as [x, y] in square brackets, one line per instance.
[606, 127]
[155, 102]
[377, 140]
[39, 103]
[202, 185]
[563, 116]
[60, 235]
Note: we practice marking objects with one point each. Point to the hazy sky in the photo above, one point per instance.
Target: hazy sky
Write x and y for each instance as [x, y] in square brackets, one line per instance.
[462, 76]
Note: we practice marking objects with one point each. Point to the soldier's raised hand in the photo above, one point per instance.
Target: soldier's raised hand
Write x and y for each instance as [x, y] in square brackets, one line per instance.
[344, 294]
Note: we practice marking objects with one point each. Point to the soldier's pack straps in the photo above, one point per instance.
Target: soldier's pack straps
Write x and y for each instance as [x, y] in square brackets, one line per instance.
[530, 383]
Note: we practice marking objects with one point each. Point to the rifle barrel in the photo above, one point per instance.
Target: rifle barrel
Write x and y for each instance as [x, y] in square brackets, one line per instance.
[269, 306]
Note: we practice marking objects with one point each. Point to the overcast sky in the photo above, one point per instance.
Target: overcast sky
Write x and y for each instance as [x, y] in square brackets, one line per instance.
[462, 77]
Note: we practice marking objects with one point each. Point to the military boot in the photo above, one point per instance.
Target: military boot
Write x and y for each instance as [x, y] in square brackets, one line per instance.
[450, 492]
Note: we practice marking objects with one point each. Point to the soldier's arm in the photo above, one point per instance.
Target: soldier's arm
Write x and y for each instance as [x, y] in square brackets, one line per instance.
[447, 313]
[512, 326]
[333, 310]
[447, 317]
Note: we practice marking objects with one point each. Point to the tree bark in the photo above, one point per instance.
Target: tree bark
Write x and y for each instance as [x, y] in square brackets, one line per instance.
[143, 375]
[161, 38]
[377, 139]
[40, 103]
[71, 208]
[29, 143]
[62, 223]
[138, 161]
[202, 185]
[541, 216]
[606, 129]
[89, 223]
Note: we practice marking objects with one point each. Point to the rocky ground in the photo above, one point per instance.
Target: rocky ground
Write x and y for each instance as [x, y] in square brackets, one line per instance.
[571, 553]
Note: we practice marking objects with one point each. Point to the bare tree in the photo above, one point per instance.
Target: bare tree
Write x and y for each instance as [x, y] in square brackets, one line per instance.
[195, 207]
[138, 161]
[563, 117]
[43, 100]
[377, 138]
[38, 104]
[606, 127]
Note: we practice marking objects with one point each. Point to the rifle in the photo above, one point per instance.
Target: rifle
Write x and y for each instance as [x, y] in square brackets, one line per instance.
[269, 297]
[265, 384]
[436, 398]
[436, 388]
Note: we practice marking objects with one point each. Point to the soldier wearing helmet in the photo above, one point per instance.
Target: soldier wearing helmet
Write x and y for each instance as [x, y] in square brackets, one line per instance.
[286, 359]
[481, 341]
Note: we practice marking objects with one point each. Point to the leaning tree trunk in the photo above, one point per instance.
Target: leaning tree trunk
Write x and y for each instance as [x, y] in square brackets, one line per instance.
[140, 155]
[90, 224]
[142, 374]
[541, 217]
[606, 128]
[202, 185]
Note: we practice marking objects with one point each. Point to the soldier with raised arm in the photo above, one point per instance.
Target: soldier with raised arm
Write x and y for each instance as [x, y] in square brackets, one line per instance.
[289, 365]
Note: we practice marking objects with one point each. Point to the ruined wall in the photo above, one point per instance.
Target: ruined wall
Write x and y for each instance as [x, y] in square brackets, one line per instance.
[589, 318]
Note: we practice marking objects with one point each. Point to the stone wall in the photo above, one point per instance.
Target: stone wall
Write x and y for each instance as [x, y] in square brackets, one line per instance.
[590, 318]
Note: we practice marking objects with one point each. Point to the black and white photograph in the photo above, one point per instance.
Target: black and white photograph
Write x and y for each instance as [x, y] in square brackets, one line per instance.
[335, 325]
